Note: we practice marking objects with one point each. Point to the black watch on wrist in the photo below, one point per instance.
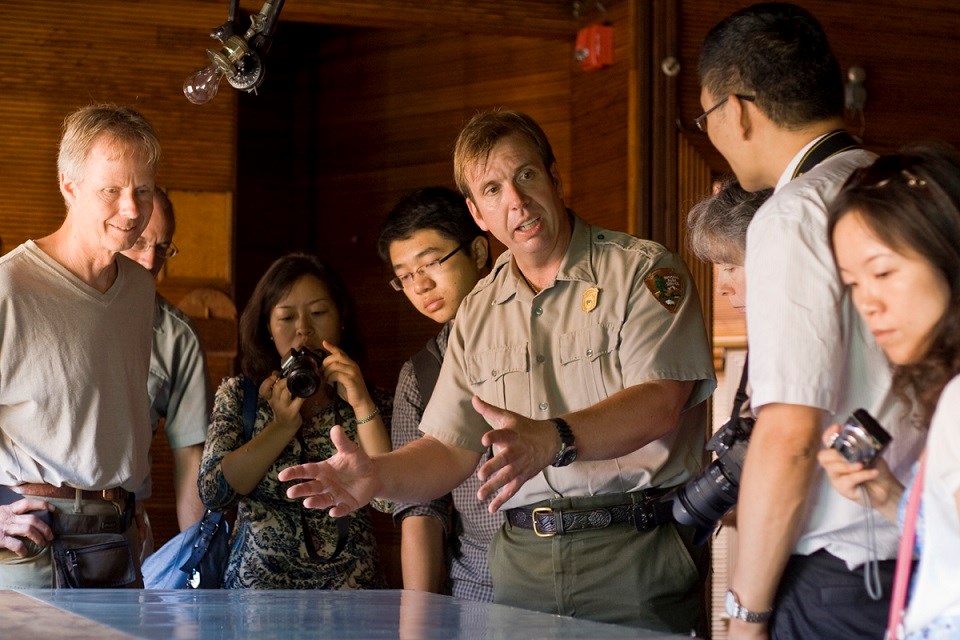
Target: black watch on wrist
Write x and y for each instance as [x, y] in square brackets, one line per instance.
[568, 450]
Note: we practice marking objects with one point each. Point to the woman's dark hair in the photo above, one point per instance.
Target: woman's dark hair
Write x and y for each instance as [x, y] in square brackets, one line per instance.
[911, 202]
[259, 357]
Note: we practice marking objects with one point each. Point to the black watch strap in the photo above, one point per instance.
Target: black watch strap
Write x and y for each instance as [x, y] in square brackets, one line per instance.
[566, 435]
[568, 451]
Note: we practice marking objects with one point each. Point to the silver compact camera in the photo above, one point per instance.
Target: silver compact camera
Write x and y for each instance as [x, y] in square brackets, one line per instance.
[860, 439]
[303, 371]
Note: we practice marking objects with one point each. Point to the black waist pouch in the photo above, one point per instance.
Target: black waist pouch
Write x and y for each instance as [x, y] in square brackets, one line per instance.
[93, 560]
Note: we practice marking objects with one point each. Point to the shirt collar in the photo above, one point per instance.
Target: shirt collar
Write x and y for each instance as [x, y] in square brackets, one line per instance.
[576, 263]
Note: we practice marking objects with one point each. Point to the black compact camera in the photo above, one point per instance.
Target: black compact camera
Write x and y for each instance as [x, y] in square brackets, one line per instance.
[860, 439]
[303, 371]
[701, 502]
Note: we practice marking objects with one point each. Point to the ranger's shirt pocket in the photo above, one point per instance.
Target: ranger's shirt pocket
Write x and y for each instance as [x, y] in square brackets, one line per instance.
[501, 375]
[587, 362]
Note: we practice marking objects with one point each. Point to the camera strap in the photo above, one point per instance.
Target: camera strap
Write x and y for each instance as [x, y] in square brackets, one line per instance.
[830, 144]
[741, 396]
[342, 523]
[904, 566]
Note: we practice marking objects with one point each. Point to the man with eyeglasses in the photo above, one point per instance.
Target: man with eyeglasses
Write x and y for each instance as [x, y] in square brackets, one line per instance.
[582, 360]
[772, 95]
[179, 384]
[438, 253]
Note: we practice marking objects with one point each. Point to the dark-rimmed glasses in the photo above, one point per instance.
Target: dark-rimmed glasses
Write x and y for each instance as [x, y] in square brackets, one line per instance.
[165, 249]
[701, 120]
[428, 269]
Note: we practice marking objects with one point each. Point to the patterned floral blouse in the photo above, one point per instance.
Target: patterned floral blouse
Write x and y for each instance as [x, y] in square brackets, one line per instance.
[268, 548]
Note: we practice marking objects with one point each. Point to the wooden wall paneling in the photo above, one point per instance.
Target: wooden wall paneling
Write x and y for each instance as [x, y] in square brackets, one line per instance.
[663, 116]
[495, 17]
[695, 181]
[639, 133]
[61, 55]
[602, 134]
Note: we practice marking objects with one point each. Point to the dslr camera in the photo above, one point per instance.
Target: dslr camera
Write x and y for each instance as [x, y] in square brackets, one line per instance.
[860, 439]
[701, 502]
[303, 371]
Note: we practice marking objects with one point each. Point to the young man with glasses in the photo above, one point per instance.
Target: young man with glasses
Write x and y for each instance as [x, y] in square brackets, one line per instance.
[582, 360]
[772, 93]
[438, 253]
[178, 383]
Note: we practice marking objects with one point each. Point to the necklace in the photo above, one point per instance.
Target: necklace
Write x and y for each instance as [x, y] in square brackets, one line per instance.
[533, 287]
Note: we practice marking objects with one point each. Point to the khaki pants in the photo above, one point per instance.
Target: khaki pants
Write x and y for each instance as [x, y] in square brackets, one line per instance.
[618, 575]
[35, 571]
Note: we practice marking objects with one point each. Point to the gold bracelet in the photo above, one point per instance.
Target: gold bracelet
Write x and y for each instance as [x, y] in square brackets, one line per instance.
[370, 417]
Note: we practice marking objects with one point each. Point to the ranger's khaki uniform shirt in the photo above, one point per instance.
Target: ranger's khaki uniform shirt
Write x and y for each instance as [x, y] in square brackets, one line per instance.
[621, 312]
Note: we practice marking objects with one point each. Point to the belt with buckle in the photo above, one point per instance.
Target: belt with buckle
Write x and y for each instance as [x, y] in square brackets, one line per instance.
[547, 522]
[117, 494]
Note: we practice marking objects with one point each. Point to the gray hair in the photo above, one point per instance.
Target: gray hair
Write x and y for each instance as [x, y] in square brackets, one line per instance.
[85, 125]
[717, 225]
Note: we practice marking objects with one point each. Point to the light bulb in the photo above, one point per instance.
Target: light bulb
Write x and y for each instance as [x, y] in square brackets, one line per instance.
[201, 87]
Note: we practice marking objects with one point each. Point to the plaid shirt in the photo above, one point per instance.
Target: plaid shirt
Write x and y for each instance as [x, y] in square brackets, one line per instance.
[469, 575]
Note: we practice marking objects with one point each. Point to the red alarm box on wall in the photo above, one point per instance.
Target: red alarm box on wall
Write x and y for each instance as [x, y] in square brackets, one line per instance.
[594, 49]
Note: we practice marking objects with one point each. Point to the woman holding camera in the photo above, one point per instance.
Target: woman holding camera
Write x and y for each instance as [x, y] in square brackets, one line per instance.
[895, 228]
[297, 326]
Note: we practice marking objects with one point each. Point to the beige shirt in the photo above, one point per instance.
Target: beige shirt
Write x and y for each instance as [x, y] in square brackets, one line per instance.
[73, 374]
[557, 352]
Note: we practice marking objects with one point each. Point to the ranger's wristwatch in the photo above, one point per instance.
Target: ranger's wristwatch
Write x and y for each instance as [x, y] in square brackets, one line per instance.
[738, 611]
[568, 451]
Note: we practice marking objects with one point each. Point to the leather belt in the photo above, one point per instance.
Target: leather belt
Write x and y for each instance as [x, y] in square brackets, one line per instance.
[117, 494]
[547, 522]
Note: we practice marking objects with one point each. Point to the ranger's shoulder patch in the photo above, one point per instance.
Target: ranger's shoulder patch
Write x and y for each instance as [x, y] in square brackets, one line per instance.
[668, 287]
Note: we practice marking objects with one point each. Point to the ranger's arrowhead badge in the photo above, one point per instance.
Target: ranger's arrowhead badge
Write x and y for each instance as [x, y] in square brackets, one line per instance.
[667, 287]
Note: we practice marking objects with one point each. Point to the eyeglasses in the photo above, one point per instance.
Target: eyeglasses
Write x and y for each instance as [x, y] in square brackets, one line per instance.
[165, 249]
[428, 269]
[701, 120]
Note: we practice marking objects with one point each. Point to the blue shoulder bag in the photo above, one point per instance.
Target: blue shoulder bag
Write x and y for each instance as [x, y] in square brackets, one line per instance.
[196, 558]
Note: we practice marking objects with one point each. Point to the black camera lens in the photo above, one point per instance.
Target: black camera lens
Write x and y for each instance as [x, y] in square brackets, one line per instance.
[302, 384]
[302, 370]
[704, 500]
